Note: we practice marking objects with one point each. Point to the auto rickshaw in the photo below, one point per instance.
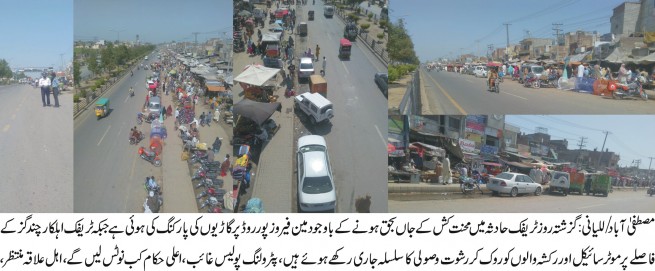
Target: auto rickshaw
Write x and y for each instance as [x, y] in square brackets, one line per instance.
[344, 48]
[302, 29]
[598, 184]
[310, 15]
[102, 107]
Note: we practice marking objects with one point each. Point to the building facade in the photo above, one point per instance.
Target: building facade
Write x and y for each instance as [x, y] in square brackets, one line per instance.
[624, 19]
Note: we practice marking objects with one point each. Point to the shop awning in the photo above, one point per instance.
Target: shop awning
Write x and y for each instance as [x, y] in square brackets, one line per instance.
[271, 37]
[256, 75]
[492, 164]
[256, 111]
[216, 88]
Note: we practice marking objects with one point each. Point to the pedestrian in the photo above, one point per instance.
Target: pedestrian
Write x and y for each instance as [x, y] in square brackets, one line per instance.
[45, 83]
[147, 100]
[225, 166]
[216, 147]
[463, 173]
[445, 172]
[209, 118]
[318, 51]
[323, 70]
[55, 90]
[202, 117]
[210, 156]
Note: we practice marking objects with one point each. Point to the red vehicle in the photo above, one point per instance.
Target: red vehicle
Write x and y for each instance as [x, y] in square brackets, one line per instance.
[344, 48]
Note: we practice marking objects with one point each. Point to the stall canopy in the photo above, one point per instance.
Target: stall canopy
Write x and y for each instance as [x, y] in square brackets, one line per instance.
[256, 111]
[256, 75]
[618, 56]
[647, 59]
[215, 86]
[271, 37]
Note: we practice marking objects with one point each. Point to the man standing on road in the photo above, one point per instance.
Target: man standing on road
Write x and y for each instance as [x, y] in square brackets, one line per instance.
[44, 83]
[323, 70]
[55, 89]
[318, 52]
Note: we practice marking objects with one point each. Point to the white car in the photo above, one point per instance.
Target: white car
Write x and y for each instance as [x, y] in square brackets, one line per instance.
[306, 67]
[480, 71]
[316, 190]
[513, 183]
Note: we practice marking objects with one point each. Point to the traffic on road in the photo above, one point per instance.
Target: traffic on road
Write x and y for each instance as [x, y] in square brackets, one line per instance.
[326, 114]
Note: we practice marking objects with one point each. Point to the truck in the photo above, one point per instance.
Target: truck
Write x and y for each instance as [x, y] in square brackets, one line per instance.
[328, 11]
[350, 31]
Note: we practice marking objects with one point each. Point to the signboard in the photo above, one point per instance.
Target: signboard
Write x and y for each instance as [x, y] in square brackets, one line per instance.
[476, 118]
[474, 137]
[491, 131]
[489, 149]
[475, 127]
[467, 145]
[524, 150]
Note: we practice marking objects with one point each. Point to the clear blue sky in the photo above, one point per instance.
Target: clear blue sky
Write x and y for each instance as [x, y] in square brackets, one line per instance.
[35, 32]
[439, 27]
[630, 135]
[154, 21]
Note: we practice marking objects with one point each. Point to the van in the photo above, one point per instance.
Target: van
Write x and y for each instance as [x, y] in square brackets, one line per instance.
[537, 70]
[328, 11]
[154, 105]
[315, 106]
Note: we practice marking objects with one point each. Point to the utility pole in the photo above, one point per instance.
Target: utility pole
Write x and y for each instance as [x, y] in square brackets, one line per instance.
[557, 30]
[601, 149]
[580, 146]
[477, 42]
[61, 56]
[490, 49]
[507, 31]
[650, 174]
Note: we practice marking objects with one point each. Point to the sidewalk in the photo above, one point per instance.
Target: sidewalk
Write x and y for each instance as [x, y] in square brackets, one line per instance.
[272, 180]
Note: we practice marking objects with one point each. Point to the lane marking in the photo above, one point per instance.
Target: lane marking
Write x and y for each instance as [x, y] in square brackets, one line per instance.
[515, 95]
[344, 67]
[6, 128]
[461, 110]
[384, 141]
[591, 206]
[103, 136]
[133, 166]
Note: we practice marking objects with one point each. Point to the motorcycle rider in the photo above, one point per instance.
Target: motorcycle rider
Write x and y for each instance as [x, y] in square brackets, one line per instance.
[493, 74]
[131, 91]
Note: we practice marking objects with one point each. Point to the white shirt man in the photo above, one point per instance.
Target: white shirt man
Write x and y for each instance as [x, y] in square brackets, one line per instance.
[580, 71]
[45, 82]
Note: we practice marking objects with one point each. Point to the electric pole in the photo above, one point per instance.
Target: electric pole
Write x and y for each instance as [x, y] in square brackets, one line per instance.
[580, 146]
[507, 31]
[557, 29]
[477, 42]
[490, 49]
[650, 174]
[601, 149]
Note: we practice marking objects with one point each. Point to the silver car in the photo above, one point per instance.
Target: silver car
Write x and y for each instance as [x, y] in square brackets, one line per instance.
[306, 67]
[513, 184]
[316, 191]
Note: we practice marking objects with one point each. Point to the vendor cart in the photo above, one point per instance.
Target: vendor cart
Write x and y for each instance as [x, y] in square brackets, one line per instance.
[317, 84]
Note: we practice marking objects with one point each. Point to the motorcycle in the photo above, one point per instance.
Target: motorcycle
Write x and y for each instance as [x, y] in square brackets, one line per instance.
[153, 203]
[136, 139]
[207, 183]
[131, 93]
[139, 119]
[651, 190]
[213, 204]
[152, 185]
[495, 86]
[549, 82]
[531, 81]
[212, 191]
[516, 77]
[632, 89]
[467, 185]
[150, 156]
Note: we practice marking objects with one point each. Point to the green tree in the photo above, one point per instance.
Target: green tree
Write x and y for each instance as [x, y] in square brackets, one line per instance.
[400, 45]
[92, 62]
[5, 70]
[107, 58]
[77, 75]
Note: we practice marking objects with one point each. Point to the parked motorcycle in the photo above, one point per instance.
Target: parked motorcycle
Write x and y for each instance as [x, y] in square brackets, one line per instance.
[207, 183]
[212, 203]
[152, 185]
[632, 89]
[531, 81]
[549, 82]
[136, 139]
[468, 185]
[150, 156]
[212, 191]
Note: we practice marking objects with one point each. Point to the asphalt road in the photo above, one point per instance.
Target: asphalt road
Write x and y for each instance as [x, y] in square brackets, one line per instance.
[36, 152]
[109, 173]
[356, 136]
[460, 94]
[617, 202]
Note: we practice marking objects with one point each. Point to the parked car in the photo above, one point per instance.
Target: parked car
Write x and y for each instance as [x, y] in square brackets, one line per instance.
[480, 71]
[315, 106]
[382, 79]
[513, 184]
[316, 190]
[561, 182]
[306, 67]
